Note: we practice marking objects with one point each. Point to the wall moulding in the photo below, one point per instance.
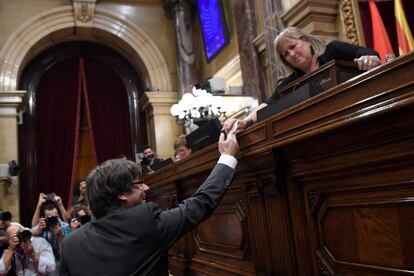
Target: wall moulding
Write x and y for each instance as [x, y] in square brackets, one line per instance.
[351, 28]
[317, 17]
[59, 25]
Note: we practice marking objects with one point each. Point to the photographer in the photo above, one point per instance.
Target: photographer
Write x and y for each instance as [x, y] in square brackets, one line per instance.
[53, 229]
[48, 198]
[26, 255]
[78, 215]
[149, 163]
[5, 220]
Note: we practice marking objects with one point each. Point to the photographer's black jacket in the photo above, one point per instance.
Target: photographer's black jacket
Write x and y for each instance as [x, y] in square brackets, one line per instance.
[135, 241]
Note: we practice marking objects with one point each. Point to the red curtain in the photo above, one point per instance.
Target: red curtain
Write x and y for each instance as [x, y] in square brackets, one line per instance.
[57, 124]
[107, 109]
[58, 101]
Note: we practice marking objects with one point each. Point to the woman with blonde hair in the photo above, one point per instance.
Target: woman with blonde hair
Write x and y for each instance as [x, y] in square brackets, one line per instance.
[299, 53]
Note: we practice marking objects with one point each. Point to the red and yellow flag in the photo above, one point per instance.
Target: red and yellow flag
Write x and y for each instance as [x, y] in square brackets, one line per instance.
[405, 38]
[382, 42]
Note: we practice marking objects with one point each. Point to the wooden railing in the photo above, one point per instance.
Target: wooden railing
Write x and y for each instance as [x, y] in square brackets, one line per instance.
[323, 188]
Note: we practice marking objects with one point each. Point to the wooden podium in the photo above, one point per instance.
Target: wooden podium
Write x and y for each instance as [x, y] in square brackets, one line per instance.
[327, 76]
[323, 188]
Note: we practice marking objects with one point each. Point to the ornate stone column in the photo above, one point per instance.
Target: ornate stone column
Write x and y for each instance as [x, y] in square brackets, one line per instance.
[252, 74]
[181, 11]
[10, 103]
[161, 125]
[272, 26]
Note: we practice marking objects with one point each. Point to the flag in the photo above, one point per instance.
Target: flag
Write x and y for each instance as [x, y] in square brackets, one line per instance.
[382, 42]
[405, 38]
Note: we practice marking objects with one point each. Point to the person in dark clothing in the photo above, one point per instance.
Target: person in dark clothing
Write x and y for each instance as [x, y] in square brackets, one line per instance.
[150, 163]
[130, 236]
[299, 53]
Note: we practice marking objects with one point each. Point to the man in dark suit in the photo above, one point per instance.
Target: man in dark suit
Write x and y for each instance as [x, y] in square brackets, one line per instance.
[129, 236]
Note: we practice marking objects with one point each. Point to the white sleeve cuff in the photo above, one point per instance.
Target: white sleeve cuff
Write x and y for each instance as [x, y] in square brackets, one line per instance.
[228, 160]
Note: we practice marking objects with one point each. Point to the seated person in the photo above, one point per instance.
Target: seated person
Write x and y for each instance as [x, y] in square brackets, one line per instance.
[26, 255]
[182, 150]
[150, 163]
[300, 53]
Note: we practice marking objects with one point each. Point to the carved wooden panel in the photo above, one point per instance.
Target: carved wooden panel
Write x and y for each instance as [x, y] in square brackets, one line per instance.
[356, 185]
[222, 241]
[223, 233]
[368, 231]
[269, 224]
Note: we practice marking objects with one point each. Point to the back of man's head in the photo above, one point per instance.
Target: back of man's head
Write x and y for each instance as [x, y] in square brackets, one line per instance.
[107, 181]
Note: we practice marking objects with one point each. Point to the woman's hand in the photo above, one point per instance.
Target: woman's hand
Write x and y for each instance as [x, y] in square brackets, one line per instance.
[366, 63]
[228, 124]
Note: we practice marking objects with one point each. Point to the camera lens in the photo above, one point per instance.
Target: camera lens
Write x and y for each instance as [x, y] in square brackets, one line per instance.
[51, 222]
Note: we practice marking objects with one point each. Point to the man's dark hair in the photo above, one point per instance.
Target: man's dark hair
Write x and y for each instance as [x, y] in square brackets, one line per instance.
[146, 147]
[107, 181]
[48, 207]
[122, 156]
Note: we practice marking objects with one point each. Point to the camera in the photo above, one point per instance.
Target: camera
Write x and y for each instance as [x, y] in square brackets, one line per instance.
[51, 222]
[145, 162]
[84, 219]
[6, 215]
[50, 196]
[24, 235]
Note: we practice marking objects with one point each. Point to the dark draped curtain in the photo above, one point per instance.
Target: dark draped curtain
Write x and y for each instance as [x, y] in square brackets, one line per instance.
[57, 125]
[58, 101]
[108, 112]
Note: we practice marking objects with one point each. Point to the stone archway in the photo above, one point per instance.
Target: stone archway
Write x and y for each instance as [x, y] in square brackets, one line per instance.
[59, 25]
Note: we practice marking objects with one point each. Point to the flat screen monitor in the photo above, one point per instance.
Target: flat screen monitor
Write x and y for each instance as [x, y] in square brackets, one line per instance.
[213, 27]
